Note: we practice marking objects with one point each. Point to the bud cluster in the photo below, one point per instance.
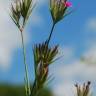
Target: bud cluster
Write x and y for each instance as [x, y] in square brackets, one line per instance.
[21, 10]
[58, 9]
[83, 90]
[43, 57]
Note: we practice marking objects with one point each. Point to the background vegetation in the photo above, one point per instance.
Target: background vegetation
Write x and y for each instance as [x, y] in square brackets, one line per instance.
[19, 90]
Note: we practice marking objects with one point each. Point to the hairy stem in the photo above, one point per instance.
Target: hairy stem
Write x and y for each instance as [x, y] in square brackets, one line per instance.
[27, 84]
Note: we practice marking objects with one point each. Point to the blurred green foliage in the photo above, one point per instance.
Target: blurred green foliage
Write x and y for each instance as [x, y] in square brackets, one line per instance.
[18, 90]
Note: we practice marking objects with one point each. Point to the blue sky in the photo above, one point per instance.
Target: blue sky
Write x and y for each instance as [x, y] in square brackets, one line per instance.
[76, 35]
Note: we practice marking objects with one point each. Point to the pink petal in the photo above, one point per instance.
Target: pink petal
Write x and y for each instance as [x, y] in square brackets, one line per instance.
[68, 4]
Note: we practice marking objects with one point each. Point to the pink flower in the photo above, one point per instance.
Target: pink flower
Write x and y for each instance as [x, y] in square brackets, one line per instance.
[68, 4]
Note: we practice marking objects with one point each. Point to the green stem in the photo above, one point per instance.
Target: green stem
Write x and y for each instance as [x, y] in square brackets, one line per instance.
[26, 68]
[49, 38]
[34, 88]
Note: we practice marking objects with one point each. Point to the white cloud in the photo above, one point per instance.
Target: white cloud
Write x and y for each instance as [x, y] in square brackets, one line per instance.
[91, 24]
[66, 52]
[90, 55]
[66, 75]
[64, 89]
[77, 69]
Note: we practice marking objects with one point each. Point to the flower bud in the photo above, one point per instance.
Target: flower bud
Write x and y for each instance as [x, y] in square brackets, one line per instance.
[83, 90]
[58, 9]
[21, 10]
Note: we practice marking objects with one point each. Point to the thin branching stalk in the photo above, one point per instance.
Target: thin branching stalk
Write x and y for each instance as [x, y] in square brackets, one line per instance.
[20, 13]
[58, 10]
[49, 38]
[28, 92]
[34, 88]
